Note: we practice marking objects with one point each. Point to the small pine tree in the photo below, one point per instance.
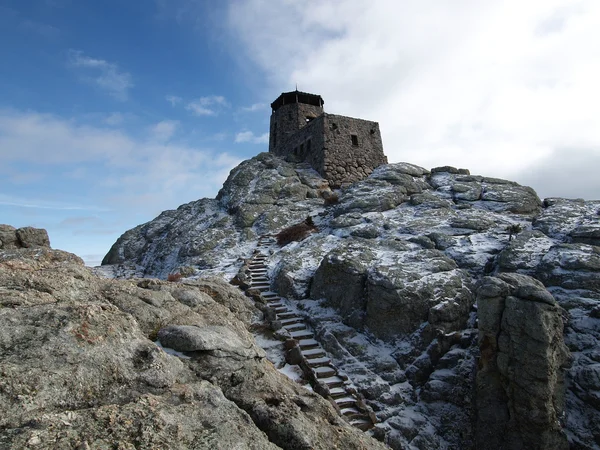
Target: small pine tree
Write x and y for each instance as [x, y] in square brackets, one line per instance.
[513, 229]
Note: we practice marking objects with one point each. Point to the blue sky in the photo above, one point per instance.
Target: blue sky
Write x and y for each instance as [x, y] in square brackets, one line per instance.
[113, 111]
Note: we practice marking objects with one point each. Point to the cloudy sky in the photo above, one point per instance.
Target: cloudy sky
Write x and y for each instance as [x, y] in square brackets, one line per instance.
[112, 111]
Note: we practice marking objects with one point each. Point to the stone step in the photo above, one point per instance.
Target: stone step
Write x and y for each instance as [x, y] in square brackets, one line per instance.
[290, 321]
[281, 310]
[277, 305]
[268, 294]
[261, 288]
[302, 334]
[351, 411]
[333, 381]
[316, 362]
[362, 423]
[345, 402]
[286, 315]
[337, 392]
[295, 326]
[324, 371]
[313, 353]
[260, 278]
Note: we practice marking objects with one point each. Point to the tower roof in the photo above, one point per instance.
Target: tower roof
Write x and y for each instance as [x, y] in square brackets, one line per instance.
[297, 97]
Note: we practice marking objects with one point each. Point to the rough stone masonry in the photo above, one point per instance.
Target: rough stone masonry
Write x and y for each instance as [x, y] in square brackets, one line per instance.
[342, 149]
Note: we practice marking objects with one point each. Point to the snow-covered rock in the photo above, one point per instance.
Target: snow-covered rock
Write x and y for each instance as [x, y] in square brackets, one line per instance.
[388, 281]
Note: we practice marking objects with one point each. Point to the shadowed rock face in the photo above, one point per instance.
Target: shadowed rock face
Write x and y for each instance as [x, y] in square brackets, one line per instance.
[79, 367]
[389, 284]
[520, 383]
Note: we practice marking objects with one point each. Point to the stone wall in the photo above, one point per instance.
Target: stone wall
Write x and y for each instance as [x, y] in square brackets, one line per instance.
[287, 121]
[353, 148]
[306, 144]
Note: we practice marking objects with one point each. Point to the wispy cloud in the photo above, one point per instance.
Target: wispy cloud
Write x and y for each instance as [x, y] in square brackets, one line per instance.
[249, 136]
[255, 107]
[106, 75]
[44, 30]
[125, 170]
[164, 130]
[173, 100]
[207, 106]
[37, 203]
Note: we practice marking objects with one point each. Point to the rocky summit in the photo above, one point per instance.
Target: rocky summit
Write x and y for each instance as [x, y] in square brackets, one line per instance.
[452, 311]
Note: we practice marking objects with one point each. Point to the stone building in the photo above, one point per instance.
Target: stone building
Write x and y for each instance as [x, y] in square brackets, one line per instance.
[342, 149]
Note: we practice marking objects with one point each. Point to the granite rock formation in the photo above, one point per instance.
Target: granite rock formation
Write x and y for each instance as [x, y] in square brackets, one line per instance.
[25, 237]
[90, 362]
[389, 285]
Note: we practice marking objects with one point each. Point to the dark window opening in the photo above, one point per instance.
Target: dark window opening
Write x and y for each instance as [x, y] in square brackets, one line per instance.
[290, 115]
[308, 145]
[334, 126]
[354, 138]
[275, 134]
[302, 149]
[372, 130]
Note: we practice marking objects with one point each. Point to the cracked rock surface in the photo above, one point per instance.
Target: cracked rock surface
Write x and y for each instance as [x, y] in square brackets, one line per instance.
[81, 367]
[390, 284]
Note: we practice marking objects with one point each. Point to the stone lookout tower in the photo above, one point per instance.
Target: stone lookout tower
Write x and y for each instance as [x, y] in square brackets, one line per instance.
[342, 149]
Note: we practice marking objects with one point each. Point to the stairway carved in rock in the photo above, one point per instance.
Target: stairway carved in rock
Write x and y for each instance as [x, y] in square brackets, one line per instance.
[316, 366]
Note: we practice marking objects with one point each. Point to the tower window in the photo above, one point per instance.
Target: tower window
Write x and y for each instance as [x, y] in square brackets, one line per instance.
[354, 138]
[308, 145]
[301, 149]
[275, 134]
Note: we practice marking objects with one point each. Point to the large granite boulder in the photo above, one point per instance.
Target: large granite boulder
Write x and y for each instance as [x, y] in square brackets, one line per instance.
[520, 378]
[25, 237]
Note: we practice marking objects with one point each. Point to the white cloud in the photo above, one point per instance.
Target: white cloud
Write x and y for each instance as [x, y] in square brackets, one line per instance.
[255, 107]
[115, 118]
[163, 131]
[107, 76]
[126, 172]
[207, 106]
[248, 136]
[173, 100]
[496, 87]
